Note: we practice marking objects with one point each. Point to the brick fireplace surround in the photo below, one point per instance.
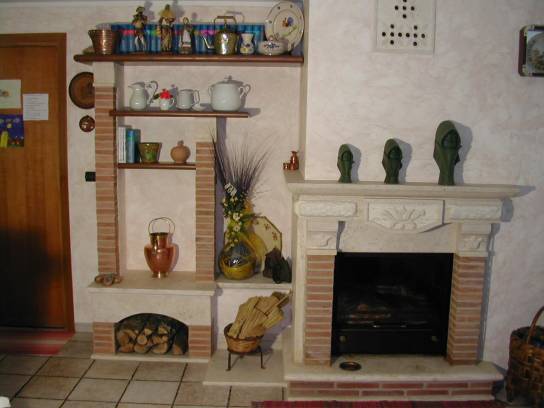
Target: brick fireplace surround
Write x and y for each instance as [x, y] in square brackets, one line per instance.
[374, 217]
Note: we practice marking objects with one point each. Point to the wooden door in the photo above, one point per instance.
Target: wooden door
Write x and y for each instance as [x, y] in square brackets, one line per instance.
[35, 274]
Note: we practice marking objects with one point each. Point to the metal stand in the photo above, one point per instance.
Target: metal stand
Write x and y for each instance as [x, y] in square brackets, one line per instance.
[258, 349]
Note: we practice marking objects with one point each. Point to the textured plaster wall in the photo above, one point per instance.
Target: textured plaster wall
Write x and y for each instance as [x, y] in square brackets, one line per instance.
[274, 100]
[362, 97]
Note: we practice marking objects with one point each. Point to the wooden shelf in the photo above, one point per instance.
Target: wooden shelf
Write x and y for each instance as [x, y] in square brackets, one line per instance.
[193, 58]
[157, 166]
[155, 112]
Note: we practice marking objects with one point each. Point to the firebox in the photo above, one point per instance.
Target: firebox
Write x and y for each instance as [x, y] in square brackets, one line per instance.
[391, 303]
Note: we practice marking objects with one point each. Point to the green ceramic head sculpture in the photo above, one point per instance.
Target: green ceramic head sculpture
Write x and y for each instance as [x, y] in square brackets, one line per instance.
[392, 161]
[344, 163]
[446, 152]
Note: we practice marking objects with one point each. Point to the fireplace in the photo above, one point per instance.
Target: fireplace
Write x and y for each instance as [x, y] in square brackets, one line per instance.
[391, 303]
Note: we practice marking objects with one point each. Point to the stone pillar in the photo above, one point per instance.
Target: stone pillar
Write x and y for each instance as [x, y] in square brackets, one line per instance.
[318, 309]
[106, 181]
[205, 212]
[465, 309]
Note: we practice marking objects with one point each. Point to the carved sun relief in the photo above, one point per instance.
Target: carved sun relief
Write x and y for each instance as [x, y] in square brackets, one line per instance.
[405, 215]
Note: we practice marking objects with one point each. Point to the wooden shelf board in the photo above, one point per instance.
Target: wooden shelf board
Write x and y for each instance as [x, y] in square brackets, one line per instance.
[157, 166]
[155, 112]
[193, 58]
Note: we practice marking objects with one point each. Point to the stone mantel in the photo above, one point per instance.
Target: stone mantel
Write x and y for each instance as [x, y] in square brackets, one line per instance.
[375, 217]
[370, 189]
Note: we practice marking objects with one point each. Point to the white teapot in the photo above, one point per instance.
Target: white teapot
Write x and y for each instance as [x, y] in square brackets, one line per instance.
[228, 95]
[139, 100]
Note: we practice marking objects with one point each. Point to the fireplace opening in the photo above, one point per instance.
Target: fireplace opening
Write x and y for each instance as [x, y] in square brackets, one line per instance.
[391, 303]
[151, 333]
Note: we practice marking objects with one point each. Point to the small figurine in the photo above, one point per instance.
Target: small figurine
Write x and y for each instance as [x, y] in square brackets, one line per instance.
[139, 21]
[165, 26]
[392, 161]
[292, 164]
[276, 267]
[185, 38]
[447, 143]
[344, 163]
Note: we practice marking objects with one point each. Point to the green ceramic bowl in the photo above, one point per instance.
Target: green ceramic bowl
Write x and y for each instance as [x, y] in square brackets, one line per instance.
[149, 152]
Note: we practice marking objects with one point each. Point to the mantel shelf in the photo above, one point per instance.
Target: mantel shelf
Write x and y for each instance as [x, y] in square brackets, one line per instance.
[157, 166]
[193, 58]
[155, 112]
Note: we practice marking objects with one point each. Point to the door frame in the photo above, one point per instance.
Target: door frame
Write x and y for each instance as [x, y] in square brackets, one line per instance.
[58, 41]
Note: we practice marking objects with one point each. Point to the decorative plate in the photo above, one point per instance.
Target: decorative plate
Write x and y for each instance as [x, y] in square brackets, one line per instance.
[81, 90]
[285, 22]
[268, 232]
[531, 51]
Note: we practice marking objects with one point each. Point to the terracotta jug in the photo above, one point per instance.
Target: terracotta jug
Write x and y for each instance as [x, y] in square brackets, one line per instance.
[160, 253]
[180, 153]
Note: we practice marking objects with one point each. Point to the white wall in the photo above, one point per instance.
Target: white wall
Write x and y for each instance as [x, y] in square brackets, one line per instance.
[274, 96]
[363, 97]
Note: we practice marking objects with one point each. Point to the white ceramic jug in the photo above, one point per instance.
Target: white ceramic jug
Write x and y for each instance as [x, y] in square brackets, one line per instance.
[227, 95]
[139, 100]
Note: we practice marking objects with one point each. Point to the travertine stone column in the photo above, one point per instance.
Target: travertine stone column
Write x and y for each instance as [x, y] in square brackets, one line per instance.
[318, 309]
[106, 181]
[465, 309]
[205, 212]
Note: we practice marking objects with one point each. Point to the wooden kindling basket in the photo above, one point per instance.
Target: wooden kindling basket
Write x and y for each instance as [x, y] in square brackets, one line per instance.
[526, 363]
[241, 346]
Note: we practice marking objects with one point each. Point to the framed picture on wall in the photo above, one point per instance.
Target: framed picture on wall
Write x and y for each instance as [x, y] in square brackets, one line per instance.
[531, 51]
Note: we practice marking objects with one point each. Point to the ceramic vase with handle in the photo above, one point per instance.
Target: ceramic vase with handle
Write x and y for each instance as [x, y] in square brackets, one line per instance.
[140, 99]
[160, 253]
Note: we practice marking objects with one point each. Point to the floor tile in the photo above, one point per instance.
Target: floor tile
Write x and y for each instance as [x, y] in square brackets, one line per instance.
[198, 394]
[118, 370]
[81, 349]
[11, 383]
[130, 405]
[150, 392]
[65, 367]
[242, 396]
[48, 387]
[82, 336]
[21, 364]
[98, 390]
[195, 372]
[159, 371]
[35, 403]
[88, 404]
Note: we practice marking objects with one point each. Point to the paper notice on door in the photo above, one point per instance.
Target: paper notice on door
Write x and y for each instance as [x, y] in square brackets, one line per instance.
[35, 106]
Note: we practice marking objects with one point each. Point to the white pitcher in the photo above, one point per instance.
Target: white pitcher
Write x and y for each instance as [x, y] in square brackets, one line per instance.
[247, 47]
[140, 99]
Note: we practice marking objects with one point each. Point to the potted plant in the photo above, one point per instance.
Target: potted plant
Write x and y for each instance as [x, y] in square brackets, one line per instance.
[238, 171]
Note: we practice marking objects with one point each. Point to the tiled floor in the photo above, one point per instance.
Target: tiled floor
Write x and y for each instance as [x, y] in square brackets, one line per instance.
[73, 380]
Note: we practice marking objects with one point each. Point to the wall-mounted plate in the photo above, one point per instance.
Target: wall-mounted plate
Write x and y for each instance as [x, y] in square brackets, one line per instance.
[531, 51]
[81, 90]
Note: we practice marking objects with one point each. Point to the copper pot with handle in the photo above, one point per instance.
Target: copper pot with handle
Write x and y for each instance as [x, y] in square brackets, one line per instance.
[160, 253]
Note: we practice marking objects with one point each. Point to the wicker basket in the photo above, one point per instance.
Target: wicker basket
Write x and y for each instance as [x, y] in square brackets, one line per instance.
[526, 363]
[241, 346]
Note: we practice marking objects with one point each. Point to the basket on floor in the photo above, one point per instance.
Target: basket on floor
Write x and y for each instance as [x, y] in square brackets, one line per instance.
[241, 346]
[526, 363]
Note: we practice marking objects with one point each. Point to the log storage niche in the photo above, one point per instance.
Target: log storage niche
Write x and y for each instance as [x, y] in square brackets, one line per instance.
[151, 333]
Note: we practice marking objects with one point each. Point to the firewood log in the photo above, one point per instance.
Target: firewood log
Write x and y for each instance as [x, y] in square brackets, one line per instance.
[180, 341]
[127, 348]
[138, 348]
[160, 348]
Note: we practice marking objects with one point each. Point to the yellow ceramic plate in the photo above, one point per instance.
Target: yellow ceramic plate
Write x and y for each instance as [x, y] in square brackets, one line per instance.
[268, 232]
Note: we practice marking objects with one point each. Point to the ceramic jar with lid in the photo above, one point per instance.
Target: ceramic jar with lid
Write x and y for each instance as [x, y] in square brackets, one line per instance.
[180, 153]
[228, 95]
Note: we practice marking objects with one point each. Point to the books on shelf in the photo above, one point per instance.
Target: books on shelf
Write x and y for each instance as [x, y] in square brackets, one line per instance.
[132, 138]
[121, 144]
